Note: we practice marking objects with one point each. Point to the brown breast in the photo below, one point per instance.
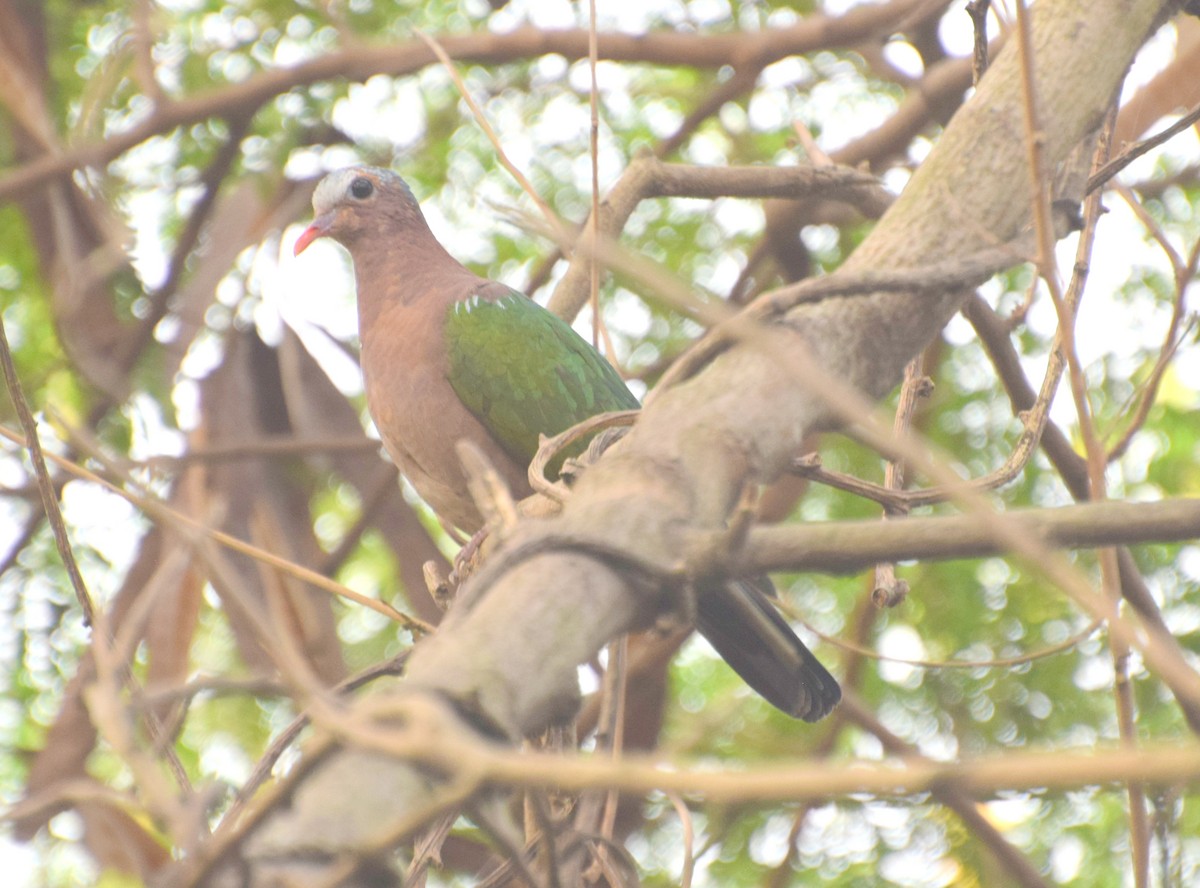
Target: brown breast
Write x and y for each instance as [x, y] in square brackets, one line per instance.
[418, 414]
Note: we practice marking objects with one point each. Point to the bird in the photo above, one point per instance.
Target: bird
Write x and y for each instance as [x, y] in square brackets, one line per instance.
[447, 355]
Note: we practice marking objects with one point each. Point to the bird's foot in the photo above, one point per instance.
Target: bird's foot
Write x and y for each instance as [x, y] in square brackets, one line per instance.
[467, 559]
[574, 466]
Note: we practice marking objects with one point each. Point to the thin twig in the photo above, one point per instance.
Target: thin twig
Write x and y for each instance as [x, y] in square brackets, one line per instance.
[689, 839]
[161, 512]
[1041, 653]
[1119, 643]
[266, 763]
[1184, 272]
[480, 118]
[1137, 149]
[889, 590]
[245, 450]
[32, 443]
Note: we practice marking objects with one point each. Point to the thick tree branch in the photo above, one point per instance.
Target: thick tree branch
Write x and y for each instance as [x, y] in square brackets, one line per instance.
[684, 464]
[849, 546]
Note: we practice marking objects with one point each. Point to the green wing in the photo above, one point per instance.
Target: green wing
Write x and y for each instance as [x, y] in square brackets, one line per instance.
[523, 371]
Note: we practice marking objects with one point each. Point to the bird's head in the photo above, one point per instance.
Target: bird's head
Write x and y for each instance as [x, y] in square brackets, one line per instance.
[359, 201]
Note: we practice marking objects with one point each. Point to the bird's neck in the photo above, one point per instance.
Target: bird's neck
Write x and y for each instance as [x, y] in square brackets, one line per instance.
[413, 271]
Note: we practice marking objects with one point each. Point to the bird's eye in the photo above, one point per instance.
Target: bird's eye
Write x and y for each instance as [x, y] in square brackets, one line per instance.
[361, 188]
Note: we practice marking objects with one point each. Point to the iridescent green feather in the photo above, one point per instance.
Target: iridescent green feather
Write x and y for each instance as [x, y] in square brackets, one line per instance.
[523, 371]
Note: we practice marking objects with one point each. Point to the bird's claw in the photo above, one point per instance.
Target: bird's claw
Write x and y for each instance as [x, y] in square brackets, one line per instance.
[467, 559]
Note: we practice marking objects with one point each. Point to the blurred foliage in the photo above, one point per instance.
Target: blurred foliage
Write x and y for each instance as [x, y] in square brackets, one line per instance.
[960, 614]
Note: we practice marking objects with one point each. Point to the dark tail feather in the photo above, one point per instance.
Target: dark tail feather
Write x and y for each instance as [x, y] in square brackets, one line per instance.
[739, 620]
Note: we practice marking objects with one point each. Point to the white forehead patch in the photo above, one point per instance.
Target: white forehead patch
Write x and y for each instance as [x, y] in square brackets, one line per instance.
[332, 189]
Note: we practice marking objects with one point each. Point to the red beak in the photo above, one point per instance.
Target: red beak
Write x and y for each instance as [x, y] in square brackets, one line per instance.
[319, 228]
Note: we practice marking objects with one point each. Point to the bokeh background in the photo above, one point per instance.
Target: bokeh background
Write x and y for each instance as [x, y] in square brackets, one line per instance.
[156, 159]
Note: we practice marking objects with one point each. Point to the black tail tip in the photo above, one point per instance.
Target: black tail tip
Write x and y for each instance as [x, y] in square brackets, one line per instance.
[816, 697]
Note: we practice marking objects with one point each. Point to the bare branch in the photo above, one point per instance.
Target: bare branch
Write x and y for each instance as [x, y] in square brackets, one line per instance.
[849, 546]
